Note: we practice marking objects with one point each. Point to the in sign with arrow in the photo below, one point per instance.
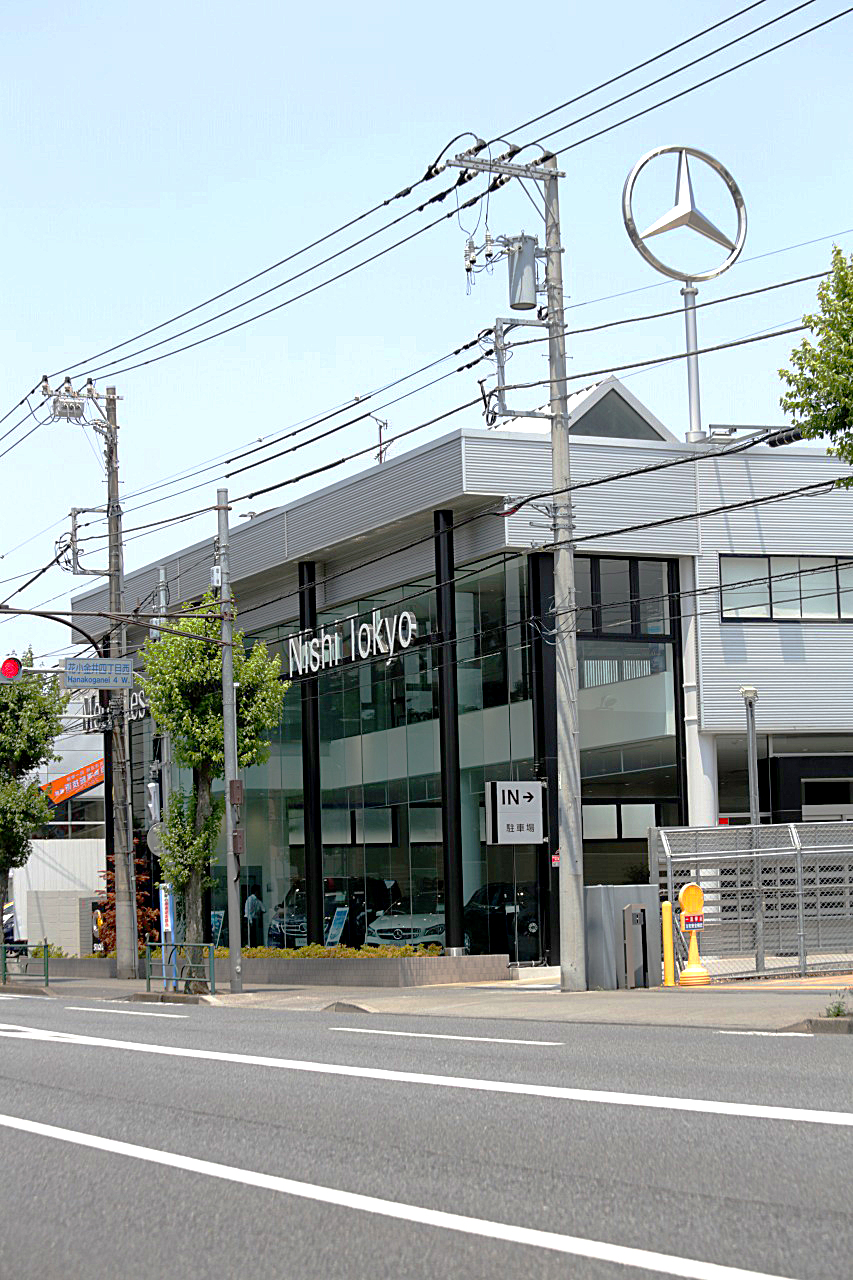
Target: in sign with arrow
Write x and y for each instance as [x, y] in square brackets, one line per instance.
[514, 813]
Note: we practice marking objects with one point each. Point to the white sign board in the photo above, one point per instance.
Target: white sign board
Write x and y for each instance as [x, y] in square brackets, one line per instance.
[514, 813]
[98, 673]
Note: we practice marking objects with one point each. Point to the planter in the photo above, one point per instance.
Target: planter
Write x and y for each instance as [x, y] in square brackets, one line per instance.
[403, 971]
[74, 967]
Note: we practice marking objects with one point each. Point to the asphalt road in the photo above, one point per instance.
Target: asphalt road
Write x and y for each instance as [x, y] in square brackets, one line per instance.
[193, 1141]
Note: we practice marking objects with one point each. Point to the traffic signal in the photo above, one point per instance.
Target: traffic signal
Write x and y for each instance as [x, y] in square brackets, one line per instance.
[788, 435]
[11, 670]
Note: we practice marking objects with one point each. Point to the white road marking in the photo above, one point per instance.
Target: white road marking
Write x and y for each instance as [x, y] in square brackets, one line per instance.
[429, 1035]
[802, 1035]
[702, 1106]
[127, 1013]
[14, 995]
[576, 1246]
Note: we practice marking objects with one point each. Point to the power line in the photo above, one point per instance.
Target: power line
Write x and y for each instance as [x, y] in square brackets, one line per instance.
[702, 83]
[680, 355]
[677, 71]
[674, 311]
[494, 185]
[502, 511]
[428, 175]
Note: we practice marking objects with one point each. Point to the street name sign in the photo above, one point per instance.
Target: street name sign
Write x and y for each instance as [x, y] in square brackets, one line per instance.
[97, 673]
[514, 813]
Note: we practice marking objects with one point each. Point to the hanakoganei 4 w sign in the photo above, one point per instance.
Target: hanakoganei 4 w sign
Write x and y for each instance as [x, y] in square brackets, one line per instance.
[351, 641]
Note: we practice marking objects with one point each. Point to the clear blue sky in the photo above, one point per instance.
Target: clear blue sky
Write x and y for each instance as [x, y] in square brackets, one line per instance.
[155, 154]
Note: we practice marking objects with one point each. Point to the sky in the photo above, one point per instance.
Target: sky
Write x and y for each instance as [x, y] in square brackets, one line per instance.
[155, 155]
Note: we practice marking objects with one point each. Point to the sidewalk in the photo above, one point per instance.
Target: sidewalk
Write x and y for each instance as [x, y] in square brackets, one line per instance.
[765, 1005]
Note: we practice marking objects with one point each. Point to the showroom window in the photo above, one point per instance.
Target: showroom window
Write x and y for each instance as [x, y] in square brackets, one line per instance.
[786, 588]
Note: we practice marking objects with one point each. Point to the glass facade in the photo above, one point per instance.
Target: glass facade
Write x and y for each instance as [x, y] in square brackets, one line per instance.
[380, 763]
[628, 712]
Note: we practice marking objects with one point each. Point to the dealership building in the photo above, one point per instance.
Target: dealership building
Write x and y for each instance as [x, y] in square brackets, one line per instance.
[413, 607]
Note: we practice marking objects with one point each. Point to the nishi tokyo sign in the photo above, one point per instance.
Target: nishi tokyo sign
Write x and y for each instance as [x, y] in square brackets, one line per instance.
[351, 641]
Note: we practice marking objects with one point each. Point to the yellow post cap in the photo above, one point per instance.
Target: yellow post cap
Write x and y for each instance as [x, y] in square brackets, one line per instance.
[691, 899]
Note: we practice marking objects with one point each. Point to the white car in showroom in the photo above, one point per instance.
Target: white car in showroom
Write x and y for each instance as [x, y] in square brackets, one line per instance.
[418, 923]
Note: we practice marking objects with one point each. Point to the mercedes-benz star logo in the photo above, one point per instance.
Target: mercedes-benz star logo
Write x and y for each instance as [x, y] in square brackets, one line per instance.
[684, 213]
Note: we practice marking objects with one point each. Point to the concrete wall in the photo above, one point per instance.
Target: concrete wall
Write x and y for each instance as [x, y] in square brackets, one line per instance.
[73, 867]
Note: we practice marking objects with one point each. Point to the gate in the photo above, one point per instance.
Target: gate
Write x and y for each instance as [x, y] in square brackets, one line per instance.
[778, 898]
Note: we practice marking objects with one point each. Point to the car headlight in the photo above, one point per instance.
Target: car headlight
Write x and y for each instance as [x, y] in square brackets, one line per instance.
[371, 933]
[433, 930]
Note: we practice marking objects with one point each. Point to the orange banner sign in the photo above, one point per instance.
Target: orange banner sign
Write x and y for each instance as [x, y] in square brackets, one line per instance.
[71, 784]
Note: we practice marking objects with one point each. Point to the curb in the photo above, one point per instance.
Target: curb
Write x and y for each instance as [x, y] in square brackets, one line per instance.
[26, 989]
[344, 1006]
[169, 997]
[824, 1026]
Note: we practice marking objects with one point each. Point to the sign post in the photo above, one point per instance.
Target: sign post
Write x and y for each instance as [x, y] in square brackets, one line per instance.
[691, 899]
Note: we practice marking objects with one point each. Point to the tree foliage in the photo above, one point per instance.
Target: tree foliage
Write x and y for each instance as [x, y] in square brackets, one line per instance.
[30, 722]
[184, 848]
[183, 681]
[820, 380]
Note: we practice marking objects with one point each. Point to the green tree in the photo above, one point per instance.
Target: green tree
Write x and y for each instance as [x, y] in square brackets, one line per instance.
[183, 681]
[30, 722]
[820, 381]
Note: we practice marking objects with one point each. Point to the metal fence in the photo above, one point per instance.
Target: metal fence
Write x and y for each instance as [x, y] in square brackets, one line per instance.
[180, 962]
[778, 898]
[20, 960]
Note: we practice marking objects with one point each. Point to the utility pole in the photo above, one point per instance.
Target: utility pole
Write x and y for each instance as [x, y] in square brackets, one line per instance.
[572, 914]
[127, 955]
[165, 737]
[229, 715]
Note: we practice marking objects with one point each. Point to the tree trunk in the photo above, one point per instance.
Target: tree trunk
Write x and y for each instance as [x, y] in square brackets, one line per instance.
[194, 891]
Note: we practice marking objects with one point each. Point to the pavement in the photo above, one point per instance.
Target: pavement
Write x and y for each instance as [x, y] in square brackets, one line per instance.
[255, 1138]
[761, 1005]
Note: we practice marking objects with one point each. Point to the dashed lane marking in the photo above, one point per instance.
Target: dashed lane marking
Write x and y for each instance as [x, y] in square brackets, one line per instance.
[126, 1013]
[561, 1093]
[429, 1035]
[573, 1246]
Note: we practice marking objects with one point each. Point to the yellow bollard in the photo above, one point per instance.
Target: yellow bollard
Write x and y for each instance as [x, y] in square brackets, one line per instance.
[668, 957]
[691, 899]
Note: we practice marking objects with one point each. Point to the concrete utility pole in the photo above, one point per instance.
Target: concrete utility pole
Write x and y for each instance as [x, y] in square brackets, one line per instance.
[229, 715]
[165, 737]
[127, 957]
[572, 916]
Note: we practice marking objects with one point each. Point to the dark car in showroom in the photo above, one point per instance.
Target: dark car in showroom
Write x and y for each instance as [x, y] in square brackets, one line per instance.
[504, 917]
[364, 898]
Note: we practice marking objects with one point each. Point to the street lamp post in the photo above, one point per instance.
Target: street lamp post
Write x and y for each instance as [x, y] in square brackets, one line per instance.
[750, 696]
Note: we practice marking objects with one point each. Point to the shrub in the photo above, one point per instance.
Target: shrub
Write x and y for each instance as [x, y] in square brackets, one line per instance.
[54, 952]
[315, 951]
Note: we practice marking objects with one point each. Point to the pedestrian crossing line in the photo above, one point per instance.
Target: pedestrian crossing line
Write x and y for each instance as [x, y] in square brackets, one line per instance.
[560, 1093]
[574, 1246]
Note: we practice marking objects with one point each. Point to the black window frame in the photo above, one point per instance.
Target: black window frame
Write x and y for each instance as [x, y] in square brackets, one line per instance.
[636, 633]
[767, 556]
